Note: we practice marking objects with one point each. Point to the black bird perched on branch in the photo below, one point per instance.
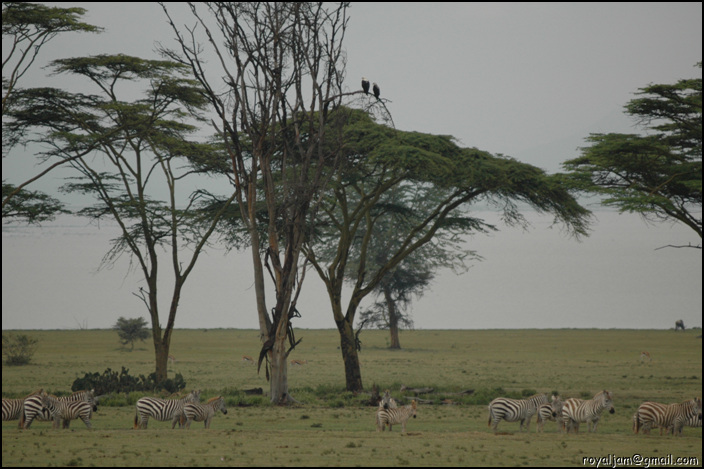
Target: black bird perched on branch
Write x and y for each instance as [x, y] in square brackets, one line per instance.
[365, 85]
[376, 90]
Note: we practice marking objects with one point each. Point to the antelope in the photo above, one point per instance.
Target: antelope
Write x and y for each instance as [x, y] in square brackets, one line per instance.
[247, 359]
[299, 362]
[645, 357]
[172, 359]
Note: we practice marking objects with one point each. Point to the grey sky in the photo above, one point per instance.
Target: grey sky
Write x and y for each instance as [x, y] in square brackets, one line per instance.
[526, 80]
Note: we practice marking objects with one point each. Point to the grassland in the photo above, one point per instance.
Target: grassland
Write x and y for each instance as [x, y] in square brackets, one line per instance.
[334, 428]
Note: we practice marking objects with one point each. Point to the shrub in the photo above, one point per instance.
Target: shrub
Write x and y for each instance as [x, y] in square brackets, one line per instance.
[18, 349]
[112, 382]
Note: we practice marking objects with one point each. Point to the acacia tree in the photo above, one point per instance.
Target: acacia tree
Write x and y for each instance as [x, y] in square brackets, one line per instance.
[658, 175]
[399, 209]
[282, 65]
[139, 150]
[378, 159]
[26, 28]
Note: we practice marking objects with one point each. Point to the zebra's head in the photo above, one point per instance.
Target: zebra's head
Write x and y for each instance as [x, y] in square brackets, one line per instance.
[218, 403]
[193, 396]
[48, 400]
[607, 400]
[387, 401]
[556, 405]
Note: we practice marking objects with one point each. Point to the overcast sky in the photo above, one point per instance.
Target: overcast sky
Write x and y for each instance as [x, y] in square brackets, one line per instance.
[526, 80]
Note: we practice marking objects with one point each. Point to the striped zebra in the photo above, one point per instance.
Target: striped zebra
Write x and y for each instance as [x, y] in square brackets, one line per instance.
[514, 410]
[576, 411]
[12, 408]
[34, 409]
[551, 411]
[162, 409]
[203, 412]
[670, 417]
[65, 411]
[694, 421]
[395, 416]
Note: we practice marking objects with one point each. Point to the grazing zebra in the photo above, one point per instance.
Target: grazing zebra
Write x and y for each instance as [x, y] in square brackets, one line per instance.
[549, 412]
[162, 409]
[65, 411]
[34, 408]
[392, 417]
[670, 417]
[575, 411]
[513, 410]
[204, 412]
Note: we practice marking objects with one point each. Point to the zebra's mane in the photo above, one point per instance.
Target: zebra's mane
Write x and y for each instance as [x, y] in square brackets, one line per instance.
[211, 400]
[37, 392]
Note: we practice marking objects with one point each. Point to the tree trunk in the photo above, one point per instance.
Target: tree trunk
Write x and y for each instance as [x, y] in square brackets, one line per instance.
[393, 319]
[348, 346]
[279, 373]
[161, 353]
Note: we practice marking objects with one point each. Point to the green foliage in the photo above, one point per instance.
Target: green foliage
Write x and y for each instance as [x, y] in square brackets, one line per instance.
[131, 330]
[658, 175]
[30, 206]
[18, 349]
[113, 382]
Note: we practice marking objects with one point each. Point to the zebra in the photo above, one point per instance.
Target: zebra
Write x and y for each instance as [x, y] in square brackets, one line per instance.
[513, 410]
[672, 417]
[12, 409]
[65, 411]
[162, 409]
[34, 408]
[392, 417]
[204, 412]
[549, 411]
[575, 411]
[387, 402]
[694, 421]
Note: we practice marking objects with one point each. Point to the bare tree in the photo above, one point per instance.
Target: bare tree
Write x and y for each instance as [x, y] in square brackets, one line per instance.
[283, 66]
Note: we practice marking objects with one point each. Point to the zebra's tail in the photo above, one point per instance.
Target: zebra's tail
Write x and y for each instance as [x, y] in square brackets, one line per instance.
[136, 420]
[636, 423]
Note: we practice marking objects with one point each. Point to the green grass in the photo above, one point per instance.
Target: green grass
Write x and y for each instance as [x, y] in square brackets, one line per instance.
[333, 427]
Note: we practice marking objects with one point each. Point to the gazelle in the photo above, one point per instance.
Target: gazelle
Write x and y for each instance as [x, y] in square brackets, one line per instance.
[645, 357]
[299, 362]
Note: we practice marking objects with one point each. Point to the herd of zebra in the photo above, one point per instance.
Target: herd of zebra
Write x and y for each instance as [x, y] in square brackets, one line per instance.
[568, 413]
[571, 412]
[81, 404]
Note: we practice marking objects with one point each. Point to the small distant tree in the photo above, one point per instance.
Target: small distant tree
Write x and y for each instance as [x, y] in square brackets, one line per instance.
[18, 349]
[131, 330]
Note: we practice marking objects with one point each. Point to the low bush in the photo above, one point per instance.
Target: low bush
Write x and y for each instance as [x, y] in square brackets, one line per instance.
[113, 382]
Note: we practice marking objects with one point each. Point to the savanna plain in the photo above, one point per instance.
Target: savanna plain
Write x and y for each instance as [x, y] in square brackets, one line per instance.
[332, 427]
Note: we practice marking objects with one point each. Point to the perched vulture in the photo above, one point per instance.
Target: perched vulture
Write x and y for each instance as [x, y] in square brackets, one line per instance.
[365, 85]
